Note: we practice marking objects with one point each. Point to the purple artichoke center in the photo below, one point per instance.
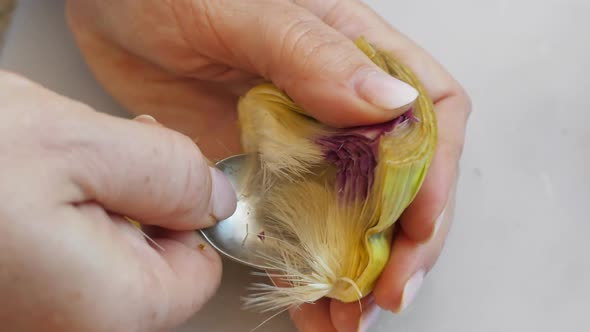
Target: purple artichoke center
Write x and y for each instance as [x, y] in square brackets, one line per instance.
[354, 154]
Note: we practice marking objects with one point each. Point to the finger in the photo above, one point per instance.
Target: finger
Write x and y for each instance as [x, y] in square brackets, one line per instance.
[146, 172]
[321, 69]
[349, 317]
[193, 275]
[313, 317]
[190, 273]
[408, 265]
[422, 219]
[309, 317]
[452, 106]
[177, 280]
[354, 19]
[316, 65]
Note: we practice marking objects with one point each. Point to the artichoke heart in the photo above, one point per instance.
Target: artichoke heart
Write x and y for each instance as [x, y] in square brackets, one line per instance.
[329, 197]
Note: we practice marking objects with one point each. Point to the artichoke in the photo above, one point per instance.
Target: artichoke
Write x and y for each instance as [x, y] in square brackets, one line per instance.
[329, 197]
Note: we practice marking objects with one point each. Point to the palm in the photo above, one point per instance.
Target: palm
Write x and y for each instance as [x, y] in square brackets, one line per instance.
[201, 110]
[198, 99]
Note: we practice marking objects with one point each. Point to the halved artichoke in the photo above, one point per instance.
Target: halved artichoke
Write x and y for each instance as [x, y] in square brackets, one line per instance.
[329, 197]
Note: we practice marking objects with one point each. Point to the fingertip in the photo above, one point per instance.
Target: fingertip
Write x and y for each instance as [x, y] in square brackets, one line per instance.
[354, 316]
[384, 91]
[338, 105]
[312, 317]
[223, 201]
[369, 317]
[421, 226]
[406, 258]
[410, 291]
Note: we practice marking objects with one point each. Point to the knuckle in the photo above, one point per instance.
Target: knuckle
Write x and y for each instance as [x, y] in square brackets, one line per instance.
[348, 16]
[312, 50]
[199, 40]
[320, 8]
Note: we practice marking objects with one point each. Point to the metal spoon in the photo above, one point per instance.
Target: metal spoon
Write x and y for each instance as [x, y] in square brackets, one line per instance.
[239, 237]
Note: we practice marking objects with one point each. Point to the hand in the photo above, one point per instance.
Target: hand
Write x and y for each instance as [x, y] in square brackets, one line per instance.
[69, 260]
[187, 61]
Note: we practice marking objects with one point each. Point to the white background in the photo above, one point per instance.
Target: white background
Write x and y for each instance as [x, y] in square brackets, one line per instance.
[517, 258]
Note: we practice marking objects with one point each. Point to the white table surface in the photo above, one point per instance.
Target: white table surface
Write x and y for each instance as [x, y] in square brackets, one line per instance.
[518, 256]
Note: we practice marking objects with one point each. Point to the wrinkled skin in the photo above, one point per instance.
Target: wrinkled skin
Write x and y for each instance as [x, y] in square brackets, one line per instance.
[69, 261]
[187, 61]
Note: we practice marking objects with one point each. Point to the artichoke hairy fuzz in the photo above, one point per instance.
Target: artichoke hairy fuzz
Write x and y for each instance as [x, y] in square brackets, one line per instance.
[328, 198]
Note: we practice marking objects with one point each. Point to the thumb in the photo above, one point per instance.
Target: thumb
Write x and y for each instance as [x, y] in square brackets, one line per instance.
[149, 173]
[317, 66]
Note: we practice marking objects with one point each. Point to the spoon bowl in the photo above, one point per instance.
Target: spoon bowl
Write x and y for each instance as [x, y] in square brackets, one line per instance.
[241, 236]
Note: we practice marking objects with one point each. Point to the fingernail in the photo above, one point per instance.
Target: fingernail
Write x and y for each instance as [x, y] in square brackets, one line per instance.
[411, 289]
[145, 118]
[385, 91]
[437, 223]
[223, 197]
[369, 317]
